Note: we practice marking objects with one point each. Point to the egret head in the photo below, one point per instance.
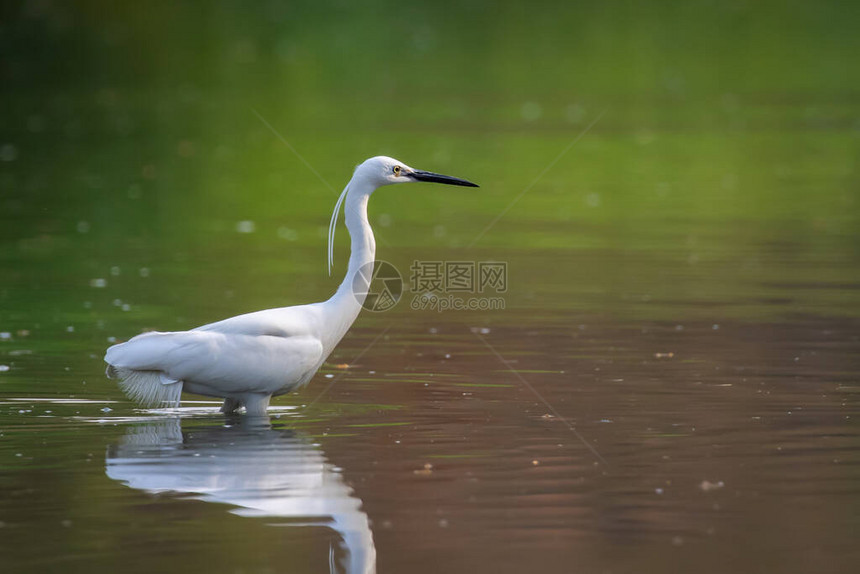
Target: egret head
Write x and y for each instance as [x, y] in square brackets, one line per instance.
[376, 172]
[382, 170]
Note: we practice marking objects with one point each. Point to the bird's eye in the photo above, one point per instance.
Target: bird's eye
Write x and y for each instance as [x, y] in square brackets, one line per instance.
[396, 170]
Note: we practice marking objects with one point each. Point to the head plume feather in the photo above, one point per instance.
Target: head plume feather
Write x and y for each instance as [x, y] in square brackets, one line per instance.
[332, 226]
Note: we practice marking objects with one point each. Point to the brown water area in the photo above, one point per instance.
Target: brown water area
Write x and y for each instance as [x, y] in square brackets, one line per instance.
[736, 452]
[558, 444]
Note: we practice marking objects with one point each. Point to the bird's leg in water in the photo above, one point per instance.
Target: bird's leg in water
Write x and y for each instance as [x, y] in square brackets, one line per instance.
[256, 404]
[230, 406]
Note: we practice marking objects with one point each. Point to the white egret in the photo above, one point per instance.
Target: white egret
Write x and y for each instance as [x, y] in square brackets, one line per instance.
[247, 359]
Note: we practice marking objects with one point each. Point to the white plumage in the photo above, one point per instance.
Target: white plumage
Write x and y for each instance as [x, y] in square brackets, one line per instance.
[248, 358]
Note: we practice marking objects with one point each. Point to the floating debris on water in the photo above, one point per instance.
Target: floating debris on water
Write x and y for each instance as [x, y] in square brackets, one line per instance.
[287, 233]
[4, 368]
[707, 485]
[531, 111]
[668, 355]
[98, 283]
[245, 226]
[8, 152]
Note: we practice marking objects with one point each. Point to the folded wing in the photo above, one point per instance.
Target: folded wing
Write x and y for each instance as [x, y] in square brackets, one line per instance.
[230, 361]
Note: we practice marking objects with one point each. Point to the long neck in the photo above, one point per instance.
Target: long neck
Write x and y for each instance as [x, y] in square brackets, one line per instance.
[344, 306]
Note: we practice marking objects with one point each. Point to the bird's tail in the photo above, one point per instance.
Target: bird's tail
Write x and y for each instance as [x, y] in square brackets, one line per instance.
[147, 388]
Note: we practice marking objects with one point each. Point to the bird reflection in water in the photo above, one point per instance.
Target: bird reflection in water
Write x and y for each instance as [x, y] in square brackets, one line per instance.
[263, 472]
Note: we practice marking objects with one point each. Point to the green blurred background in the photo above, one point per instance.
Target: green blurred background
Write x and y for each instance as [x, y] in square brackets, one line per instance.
[719, 180]
[686, 166]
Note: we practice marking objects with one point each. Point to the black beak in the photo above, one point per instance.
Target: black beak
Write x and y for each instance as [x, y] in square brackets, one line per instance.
[419, 175]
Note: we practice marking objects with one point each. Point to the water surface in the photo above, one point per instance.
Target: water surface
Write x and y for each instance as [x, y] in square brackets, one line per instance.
[672, 384]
